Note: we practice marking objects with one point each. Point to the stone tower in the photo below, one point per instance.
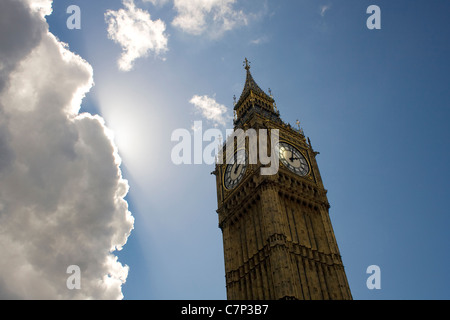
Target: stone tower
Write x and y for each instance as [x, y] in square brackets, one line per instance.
[277, 235]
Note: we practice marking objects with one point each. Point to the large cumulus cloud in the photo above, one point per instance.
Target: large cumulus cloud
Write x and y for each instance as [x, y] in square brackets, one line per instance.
[61, 189]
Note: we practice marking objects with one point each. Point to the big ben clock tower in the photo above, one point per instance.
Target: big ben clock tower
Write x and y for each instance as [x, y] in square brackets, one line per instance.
[277, 235]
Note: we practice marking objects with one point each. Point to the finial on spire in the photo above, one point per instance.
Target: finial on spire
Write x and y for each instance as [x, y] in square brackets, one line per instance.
[247, 64]
[270, 93]
[299, 127]
[234, 100]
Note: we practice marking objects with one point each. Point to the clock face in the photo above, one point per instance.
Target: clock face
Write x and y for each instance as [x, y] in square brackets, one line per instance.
[293, 159]
[234, 173]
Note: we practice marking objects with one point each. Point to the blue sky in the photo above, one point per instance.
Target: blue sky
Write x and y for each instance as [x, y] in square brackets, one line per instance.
[375, 103]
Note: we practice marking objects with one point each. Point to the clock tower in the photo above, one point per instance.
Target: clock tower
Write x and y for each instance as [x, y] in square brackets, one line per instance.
[277, 235]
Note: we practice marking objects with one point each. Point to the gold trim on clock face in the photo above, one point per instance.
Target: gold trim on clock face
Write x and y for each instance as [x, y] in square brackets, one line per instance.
[293, 159]
[235, 171]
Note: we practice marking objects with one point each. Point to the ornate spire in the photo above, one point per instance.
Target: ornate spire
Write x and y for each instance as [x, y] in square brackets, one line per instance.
[251, 87]
[254, 100]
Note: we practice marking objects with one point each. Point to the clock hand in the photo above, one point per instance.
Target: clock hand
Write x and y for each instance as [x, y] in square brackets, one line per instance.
[237, 167]
[292, 157]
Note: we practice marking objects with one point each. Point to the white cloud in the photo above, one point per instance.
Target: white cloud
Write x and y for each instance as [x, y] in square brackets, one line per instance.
[61, 188]
[157, 2]
[136, 32]
[260, 40]
[44, 7]
[324, 9]
[210, 109]
[210, 17]
[213, 16]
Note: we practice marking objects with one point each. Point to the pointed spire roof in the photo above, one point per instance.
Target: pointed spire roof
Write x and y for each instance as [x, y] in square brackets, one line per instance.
[251, 86]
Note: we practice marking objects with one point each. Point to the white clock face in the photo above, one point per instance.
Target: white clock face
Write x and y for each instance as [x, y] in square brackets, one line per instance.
[293, 159]
[234, 173]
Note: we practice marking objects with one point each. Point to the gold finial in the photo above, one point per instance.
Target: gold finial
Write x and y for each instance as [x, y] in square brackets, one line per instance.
[270, 93]
[299, 128]
[234, 100]
[247, 64]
